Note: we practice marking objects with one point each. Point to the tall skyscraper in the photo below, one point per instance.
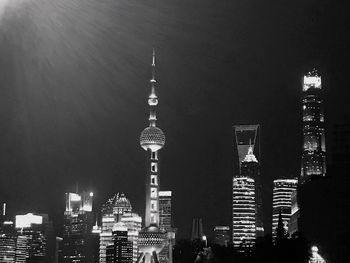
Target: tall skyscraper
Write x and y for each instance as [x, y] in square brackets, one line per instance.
[121, 249]
[165, 225]
[197, 229]
[112, 212]
[35, 238]
[313, 159]
[165, 211]
[314, 147]
[282, 201]
[8, 239]
[247, 213]
[222, 235]
[22, 253]
[152, 139]
[243, 212]
[245, 136]
[133, 222]
[250, 168]
[246, 165]
[78, 239]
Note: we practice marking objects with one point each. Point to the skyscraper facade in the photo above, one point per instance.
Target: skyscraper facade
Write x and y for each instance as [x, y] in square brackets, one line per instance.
[112, 212]
[152, 139]
[133, 222]
[243, 212]
[250, 168]
[314, 147]
[78, 239]
[165, 211]
[8, 239]
[121, 249]
[282, 201]
[313, 159]
[35, 238]
[246, 174]
[165, 223]
[247, 210]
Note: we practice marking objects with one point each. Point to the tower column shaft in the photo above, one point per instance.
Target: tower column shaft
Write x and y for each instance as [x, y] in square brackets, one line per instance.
[152, 192]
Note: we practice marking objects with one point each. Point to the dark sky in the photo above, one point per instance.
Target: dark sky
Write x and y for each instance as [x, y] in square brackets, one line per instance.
[74, 78]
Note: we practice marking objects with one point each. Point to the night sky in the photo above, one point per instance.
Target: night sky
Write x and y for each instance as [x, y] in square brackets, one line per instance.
[74, 81]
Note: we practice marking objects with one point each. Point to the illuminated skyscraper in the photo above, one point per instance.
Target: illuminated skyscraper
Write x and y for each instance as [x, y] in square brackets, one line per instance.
[121, 249]
[244, 211]
[133, 222]
[314, 147]
[313, 160]
[246, 175]
[282, 201]
[152, 139]
[165, 211]
[247, 213]
[112, 212]
[78, 239]
[35, 239]
[8, 240]
[222, 235]
[22, 253]
[165, 224]
[250, 168]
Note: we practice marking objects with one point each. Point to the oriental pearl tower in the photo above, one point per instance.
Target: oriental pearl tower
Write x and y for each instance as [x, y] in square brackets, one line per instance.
[152, 139]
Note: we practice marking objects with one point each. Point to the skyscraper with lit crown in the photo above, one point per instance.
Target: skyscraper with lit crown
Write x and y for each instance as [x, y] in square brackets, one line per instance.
[112, 212]
[313, 159]
[152, 139]
[314, 147]
[78, 239]
[133, 222]
[121, 250]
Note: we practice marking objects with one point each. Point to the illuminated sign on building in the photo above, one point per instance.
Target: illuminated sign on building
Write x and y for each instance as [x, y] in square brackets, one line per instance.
[311, 82]
[23, 221]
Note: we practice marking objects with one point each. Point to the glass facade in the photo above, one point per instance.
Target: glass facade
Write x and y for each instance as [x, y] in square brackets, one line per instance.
[244, 211]
[282, 201]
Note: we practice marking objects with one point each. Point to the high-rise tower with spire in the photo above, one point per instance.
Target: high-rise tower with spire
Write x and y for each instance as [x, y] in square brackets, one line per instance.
[152, 139]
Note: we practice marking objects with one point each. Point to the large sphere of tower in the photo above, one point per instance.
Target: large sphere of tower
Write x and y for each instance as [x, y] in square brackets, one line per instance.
[151, 239]
[152, 138]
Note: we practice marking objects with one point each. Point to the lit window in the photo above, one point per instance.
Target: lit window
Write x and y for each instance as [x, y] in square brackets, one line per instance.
[153, 192]
[154, 180]
[153, 205]
[154, 167]
[154, 155]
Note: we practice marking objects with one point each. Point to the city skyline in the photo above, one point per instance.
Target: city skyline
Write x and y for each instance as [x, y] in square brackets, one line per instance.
[74, 121]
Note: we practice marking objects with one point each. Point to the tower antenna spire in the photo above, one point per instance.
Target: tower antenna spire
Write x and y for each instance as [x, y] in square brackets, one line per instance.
[152, 98]
[153, 66]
